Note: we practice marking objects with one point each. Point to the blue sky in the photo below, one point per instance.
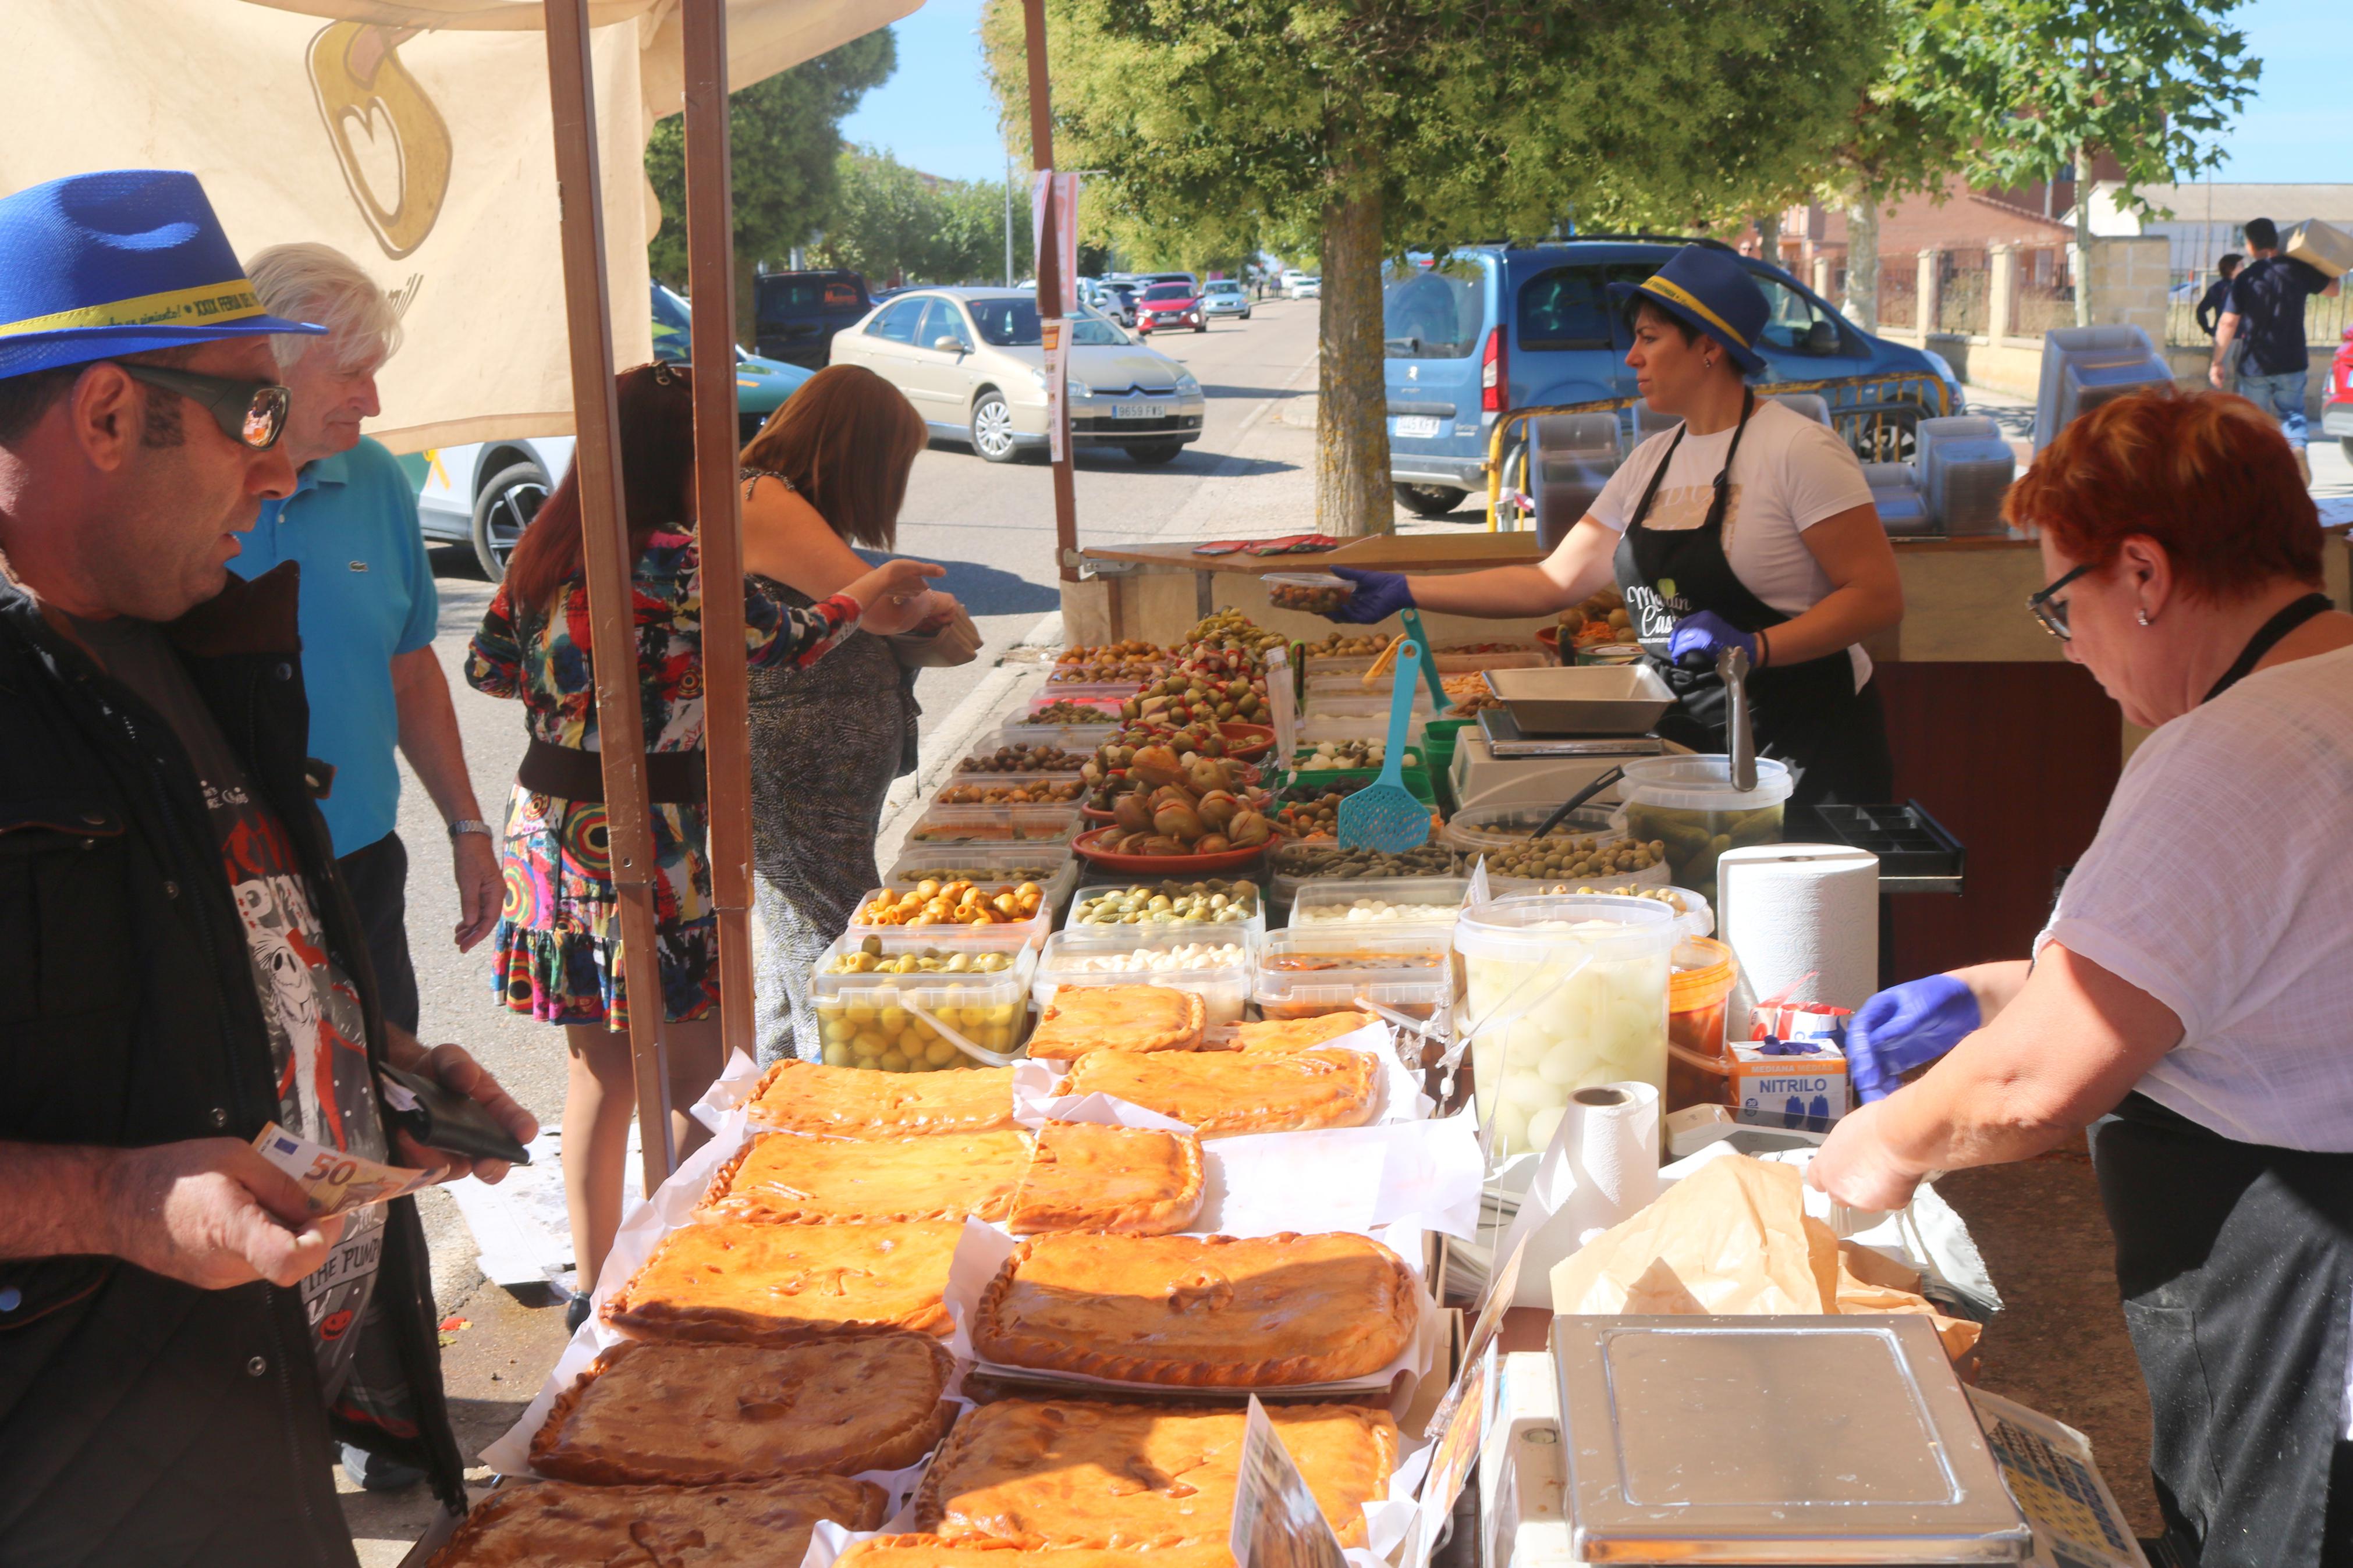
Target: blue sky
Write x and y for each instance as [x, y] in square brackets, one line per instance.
[936, 113]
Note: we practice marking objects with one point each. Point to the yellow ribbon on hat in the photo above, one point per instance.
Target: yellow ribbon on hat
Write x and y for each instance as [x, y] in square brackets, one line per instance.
[230, 301]
[1683, 297]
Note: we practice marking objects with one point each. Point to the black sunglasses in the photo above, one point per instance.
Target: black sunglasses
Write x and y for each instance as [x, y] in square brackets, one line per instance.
[250, 413]
[2053, 616]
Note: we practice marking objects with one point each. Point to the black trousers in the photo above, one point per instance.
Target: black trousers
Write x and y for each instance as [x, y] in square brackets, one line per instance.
[377, 877]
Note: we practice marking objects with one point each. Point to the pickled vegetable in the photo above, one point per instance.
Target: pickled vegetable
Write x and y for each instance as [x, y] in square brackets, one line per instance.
[1167, 904]
[930, 904]
[1693, 841]
[1605, 1024]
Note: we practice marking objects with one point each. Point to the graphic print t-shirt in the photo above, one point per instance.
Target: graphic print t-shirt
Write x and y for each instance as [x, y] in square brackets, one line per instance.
[318, 1041]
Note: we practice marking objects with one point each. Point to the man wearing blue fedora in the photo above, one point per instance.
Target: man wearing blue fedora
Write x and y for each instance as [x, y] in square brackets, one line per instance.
[181, 1342]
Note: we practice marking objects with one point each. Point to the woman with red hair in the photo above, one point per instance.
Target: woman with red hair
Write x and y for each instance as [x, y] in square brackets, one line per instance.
[2193, 991]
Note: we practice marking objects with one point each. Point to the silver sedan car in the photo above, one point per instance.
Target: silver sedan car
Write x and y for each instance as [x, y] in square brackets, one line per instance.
[971, 361]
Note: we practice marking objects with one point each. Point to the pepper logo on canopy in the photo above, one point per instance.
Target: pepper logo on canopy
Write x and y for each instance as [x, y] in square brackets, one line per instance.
[391, 144]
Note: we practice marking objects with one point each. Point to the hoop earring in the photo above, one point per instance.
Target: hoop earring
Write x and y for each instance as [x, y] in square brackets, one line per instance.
[2144, 618]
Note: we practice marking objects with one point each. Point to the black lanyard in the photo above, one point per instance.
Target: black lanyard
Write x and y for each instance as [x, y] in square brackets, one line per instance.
[1715, 508]
[2263, 641]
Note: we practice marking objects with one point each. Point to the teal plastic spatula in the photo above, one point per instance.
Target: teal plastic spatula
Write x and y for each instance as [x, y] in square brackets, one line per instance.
[1384, 815]
[1412, 618]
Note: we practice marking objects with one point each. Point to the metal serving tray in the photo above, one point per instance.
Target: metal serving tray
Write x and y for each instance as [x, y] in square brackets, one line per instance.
[1581, 700]
[1775, 1440]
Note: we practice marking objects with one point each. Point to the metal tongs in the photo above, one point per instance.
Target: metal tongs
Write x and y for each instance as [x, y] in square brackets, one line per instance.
[1739, 741]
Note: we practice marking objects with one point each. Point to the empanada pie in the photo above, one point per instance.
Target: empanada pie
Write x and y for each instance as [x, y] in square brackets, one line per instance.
[1220, 1093]
[931, 1551]
[1288, 1035]
[1217, 1311]
[1130, 1180]
[792, 1178]
[1082, 1019]
[747, 1525]
[697, 1414]
[863, 1102]
[744, 1282]
[1076, 1473]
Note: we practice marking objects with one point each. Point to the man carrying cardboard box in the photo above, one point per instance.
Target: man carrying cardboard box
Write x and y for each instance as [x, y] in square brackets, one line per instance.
[2266, 301]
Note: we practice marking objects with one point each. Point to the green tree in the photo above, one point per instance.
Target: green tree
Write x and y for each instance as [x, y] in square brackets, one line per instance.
[784, 143]
[1358, 128]
[898, 224]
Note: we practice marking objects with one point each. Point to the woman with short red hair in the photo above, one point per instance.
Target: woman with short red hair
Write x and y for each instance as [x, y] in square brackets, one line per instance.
[2193, 995]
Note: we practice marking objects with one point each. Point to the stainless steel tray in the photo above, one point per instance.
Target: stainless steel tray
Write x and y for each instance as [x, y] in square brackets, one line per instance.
[1583, 698]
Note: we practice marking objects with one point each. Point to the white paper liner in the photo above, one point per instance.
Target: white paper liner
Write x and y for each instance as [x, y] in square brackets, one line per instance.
[1363, 1179]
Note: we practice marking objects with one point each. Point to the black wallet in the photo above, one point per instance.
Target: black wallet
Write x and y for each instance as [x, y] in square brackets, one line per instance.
[443, 1119]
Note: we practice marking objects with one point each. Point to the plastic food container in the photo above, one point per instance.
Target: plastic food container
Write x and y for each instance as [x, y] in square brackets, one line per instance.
[1305, 974]
[1688, 803]
[1070, 737]
[1317, 593]
[1105, 699]
[867, 1019]
[1204, 907]
[1694, 918]
[1031, 928]
[1399, 903]
[1363, 716]
[1215, 967]
[1697, 1071]
[1051, 866]
[1294, 867]
[1046, 789]
[1316, 734]
[1505, 835]
[997, 825]
[1561, 994]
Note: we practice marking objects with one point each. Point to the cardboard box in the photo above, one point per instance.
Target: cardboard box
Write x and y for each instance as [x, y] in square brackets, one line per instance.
[2315, 244]
[1771, 1087]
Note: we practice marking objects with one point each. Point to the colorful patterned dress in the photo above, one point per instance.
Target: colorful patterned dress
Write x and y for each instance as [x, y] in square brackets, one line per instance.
[558, 944]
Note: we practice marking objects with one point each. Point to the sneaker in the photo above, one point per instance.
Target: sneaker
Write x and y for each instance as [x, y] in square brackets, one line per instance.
[376, 1473]
[575, 1312]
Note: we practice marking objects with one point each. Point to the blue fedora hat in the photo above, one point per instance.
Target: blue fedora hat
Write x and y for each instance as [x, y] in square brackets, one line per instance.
[117, 263]
[1709, 290]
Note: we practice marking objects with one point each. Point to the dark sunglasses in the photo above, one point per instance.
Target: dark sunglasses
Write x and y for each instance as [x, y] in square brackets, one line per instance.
[2053, 616]
[250, 413]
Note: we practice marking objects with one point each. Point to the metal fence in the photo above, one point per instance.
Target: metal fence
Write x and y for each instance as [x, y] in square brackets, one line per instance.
[1963, 292]
[1899, 291]
[2324, 319]
[2042, 292]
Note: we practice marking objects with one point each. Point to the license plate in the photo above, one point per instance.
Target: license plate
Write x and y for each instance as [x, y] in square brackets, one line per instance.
[1136, 411]
[1417, 425]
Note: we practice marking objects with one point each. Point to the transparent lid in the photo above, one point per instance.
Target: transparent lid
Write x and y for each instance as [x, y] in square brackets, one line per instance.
[1703, 783]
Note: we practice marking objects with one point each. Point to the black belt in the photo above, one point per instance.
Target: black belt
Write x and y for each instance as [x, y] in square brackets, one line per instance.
[672, 778]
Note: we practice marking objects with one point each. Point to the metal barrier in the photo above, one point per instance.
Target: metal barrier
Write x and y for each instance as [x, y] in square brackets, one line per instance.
[1875, 414]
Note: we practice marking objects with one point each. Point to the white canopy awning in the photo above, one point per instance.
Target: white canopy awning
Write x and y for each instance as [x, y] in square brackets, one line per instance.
[410, 134]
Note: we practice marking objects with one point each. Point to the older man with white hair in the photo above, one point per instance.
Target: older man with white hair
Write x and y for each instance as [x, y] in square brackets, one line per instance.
[369, 610]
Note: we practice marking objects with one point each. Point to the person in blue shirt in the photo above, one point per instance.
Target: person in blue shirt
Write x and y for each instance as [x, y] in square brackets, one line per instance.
[369, 610]
[2266, 304]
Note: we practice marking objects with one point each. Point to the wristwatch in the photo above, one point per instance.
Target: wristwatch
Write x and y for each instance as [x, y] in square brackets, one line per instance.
[470, 825]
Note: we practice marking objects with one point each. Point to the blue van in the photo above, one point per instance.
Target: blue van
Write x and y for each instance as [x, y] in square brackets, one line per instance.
[1499, 327]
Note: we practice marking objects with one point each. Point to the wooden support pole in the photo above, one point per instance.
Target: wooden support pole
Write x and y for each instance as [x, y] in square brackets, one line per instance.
[718, 509]
[605, 540]
[1050, 271]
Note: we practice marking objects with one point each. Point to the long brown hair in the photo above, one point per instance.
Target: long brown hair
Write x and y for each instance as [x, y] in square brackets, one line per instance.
[846, 438]
[657, 437]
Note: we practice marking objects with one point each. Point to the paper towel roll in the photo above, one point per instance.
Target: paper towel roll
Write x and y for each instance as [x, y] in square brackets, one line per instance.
[1601, 1166]
[1789, 910]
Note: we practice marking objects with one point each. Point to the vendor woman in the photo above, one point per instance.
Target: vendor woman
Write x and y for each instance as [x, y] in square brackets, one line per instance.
[2193, 993]
[1747, 526]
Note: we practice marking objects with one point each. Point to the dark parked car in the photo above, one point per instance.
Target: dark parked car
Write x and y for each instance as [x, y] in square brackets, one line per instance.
[798, 312]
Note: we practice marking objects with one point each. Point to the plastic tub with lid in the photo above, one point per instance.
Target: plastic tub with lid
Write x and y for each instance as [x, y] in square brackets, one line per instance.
[1304, 972]
[1561, 994]
[1688, 803]
[867, 1017]
[1204, 906]
[1052, 866]
[1214, 964]
[1378, 907]
[1695, 918]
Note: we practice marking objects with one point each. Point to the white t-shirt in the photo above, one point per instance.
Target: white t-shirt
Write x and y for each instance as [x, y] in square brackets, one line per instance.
[1791, 474]
[2222, 884]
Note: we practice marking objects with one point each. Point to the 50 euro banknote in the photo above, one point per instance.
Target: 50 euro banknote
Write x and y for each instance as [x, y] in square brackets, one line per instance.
[332, 1181]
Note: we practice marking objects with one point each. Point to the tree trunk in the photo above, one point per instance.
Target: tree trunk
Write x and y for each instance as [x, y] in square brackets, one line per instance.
[1768, 238]
[1352, 426]
[2083, 235]
[1863, 263]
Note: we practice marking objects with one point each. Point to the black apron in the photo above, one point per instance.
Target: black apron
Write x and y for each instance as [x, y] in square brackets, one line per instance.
[1808, 715]
[2235, 1262]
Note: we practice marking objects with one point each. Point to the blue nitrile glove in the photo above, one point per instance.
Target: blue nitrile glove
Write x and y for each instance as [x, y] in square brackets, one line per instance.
[1707, 633]
[1378, 595]
[1907, 1027]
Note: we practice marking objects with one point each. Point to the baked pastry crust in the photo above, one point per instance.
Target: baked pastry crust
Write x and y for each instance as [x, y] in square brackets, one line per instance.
[793, 1178]
[1289, 1035]
[743, 1282]
[1082, 1019]
[1217, 1311]
[1137, 1477]
[1132, 1181]
[931, 1551]
[862, 1102]
[753, 1524]
[691, 1414]
[1221, 1093]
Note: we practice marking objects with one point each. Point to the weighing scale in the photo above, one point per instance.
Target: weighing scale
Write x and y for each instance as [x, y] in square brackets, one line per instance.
[1496, 765]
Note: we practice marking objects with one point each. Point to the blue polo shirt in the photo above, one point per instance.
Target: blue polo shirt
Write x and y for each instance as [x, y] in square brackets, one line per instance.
[367, 594]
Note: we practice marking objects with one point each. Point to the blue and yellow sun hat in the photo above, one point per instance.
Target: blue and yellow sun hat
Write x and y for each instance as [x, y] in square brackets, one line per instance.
[117, 263]
[1710, 289]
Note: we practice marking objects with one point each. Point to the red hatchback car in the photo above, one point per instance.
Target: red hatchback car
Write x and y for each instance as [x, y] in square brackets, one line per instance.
[1169, 305]
[2337, 408]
